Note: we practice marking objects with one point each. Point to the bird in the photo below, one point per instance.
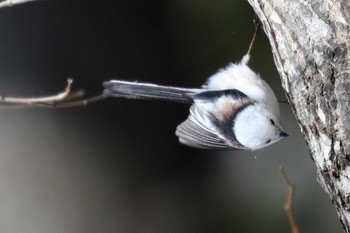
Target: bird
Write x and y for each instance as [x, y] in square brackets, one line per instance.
[234, 110]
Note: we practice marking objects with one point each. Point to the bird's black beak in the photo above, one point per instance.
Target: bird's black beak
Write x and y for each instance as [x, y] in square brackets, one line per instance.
[283, 134]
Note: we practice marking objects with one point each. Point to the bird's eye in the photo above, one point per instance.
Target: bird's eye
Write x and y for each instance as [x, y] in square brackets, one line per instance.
[268, 141]
[272, 122]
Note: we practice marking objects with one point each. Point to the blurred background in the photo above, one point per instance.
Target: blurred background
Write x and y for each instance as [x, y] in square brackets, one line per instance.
[116, 166]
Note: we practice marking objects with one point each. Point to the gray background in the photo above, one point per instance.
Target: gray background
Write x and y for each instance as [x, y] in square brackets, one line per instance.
[116, 166]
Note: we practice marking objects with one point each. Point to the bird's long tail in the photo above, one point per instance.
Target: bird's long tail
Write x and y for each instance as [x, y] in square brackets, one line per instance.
[134, 90]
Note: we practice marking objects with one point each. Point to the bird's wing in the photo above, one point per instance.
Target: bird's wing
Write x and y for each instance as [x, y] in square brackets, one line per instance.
[203, 129]
[194, 132]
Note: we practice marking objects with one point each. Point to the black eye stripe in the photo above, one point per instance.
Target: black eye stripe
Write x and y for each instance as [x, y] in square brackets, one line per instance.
[268, 141]
[272, 122]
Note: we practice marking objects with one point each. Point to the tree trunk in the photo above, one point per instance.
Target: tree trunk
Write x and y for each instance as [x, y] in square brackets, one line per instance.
[310, 41]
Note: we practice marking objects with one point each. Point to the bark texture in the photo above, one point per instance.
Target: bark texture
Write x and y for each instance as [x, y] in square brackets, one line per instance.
[310, 41]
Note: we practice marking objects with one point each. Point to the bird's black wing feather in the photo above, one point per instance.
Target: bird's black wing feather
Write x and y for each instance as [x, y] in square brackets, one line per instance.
[212, 94]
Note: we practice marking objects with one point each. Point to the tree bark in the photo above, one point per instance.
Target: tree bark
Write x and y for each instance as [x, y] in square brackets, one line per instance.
[310, 41]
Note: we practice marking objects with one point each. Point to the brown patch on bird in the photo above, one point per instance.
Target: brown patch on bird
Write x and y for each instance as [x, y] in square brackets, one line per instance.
[228, 107]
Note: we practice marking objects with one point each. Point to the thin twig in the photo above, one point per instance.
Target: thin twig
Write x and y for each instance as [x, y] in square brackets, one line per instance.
[6, 3]
[71, 104]
[256, 32]
[288, 206]
[64, 99]
[33, 100]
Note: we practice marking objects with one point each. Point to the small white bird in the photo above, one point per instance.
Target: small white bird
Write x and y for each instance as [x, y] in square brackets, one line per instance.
[235, 109]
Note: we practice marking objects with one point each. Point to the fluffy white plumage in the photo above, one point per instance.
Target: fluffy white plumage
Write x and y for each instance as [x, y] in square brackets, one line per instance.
[235, 109]
[240, 77]
[253, 121]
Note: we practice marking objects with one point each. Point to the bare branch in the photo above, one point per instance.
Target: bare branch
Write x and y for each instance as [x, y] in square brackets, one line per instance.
[71, 104]
[288, 206]
[58, 97]
[63, 99]
[6, 3]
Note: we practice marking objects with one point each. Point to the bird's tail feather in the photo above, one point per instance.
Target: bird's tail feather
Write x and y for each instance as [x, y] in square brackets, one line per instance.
[134, 90]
